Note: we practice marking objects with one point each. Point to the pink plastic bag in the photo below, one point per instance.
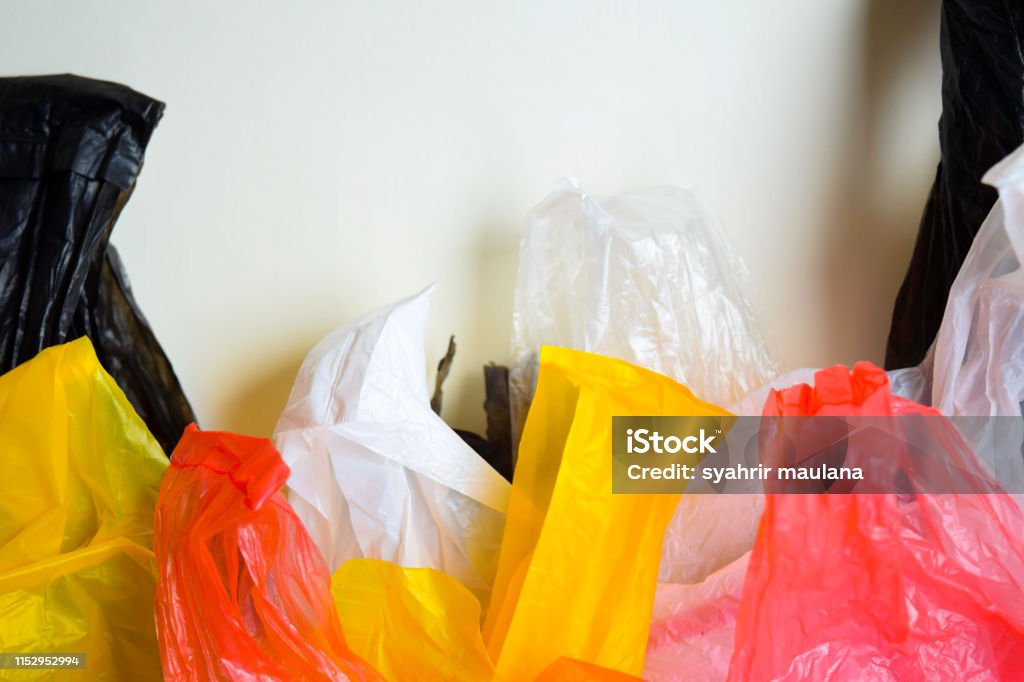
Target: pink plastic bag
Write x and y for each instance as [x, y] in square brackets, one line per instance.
[881, 587]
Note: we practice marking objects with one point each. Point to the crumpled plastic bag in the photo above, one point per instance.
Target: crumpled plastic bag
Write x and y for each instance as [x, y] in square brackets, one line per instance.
[974, 366]
[982, 48]
[579, 565]
[694, 626]
[79, 485]
[419, 623]
[972, 369]
[375, 473]
[70, 151]
[709, 532]
[881, 586]
[704, 559]
[570, 670]
[411, 623]
[646, 277]
[243, 593]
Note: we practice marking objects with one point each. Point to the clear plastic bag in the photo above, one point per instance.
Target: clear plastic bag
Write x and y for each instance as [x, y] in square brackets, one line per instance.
[375, 473]
[694, 626]
[647, 277]
[708, 532]
[977, 363]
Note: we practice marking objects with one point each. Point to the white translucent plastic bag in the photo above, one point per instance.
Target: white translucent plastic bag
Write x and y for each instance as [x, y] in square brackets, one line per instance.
[647, 277]
[704, 557]
[977, 361]
[374, 472]
[694, 625]
[975, 367]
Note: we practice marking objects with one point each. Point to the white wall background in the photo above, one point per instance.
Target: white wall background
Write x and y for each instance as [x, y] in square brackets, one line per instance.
[318, 159]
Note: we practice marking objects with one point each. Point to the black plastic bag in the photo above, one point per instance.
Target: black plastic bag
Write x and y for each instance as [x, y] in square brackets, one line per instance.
[70, 151]
[982, 48]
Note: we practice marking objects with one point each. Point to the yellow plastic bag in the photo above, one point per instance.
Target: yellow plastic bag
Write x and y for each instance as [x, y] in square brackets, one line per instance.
[411, 623]
[578, 565]
[79, 484]
[570, 670]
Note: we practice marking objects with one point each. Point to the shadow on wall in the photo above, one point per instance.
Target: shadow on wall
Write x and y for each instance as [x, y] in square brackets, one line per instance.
[874, 214]
[496, 255]
[253, 409]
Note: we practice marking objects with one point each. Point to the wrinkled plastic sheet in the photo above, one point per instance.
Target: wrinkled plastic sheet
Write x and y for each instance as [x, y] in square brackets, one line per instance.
[694, 625]
[969, 371]
[79, 485]
[881, 586]
[646, 277]
[974, 367]
[411, 623]
[569, 542]
[375, 473]
[243, 593]
[982, 49]
[709, 532]
[704, 558]
[70, 152]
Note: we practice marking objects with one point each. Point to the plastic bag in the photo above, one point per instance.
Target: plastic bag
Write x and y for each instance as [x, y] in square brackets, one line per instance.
[982, 48]
[881, 586]
[243, 593]
[411, 623]
[709, 532]
[418, 623]
[571, 670]
[646, 277]
[694, 626]
[375, 473]
[70, 151]
[973, 368]
[80, 481]
[579, 565]
[704, 558]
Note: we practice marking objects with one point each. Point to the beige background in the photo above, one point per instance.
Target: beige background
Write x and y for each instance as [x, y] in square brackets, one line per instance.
[318, 159]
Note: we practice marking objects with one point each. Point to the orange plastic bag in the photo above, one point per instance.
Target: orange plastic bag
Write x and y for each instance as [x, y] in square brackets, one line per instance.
[243, 593]
[869, 587]
[578, 565]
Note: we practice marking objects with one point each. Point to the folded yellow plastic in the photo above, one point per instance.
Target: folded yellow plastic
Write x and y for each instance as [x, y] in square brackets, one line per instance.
[579, 565]
[411, 623]
[81, 475]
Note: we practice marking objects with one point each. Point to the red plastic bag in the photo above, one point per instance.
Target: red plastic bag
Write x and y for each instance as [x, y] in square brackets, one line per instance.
[881, 587]
[243, 592]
